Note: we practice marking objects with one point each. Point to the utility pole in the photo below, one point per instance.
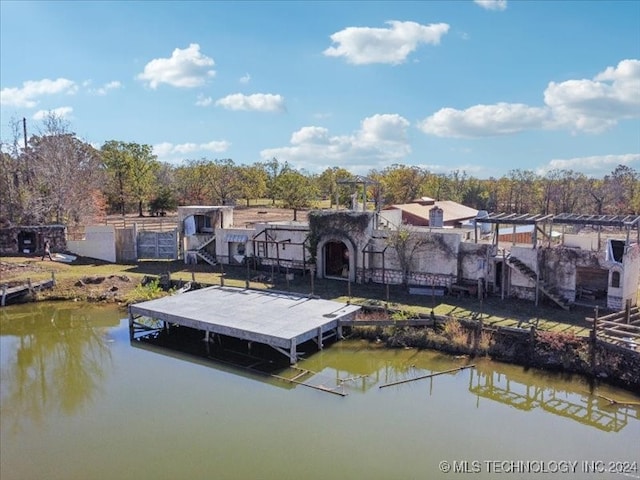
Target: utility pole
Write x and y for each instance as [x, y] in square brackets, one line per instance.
[24, 130]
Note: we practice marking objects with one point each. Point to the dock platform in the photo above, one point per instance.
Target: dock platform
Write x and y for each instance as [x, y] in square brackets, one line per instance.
[9, 294]
[278, 319]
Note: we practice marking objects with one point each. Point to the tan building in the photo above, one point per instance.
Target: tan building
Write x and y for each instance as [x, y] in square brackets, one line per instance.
[427, 212]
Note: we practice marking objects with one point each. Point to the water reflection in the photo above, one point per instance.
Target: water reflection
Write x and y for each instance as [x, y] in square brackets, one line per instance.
[54, 360]
[357, 367]
[569, 397]
[524, 393]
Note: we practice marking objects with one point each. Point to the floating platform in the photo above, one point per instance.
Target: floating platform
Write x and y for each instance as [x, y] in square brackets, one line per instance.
[278, 319]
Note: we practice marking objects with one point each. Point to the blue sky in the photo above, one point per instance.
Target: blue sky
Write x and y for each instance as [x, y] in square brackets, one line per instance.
[480, 86]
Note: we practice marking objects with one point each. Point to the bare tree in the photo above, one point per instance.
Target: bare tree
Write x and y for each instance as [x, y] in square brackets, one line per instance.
[406, 241]
[66, 173]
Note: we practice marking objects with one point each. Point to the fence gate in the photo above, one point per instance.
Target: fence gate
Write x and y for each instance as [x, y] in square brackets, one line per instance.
[158, 245]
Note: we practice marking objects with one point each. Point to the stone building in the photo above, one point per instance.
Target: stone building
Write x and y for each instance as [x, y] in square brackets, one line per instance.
[29, 239]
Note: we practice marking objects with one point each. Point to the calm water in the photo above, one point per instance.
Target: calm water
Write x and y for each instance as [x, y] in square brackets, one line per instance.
[78, 401]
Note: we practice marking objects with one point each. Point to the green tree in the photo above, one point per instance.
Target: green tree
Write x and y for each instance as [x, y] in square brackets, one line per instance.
[191, 184]
[132, 170]
[402, 183]
[223, 181]
[297, 191]
[274, 170]
[328, 186]
[252, 182]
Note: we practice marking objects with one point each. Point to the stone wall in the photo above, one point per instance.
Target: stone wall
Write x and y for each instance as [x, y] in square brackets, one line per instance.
[29, 239]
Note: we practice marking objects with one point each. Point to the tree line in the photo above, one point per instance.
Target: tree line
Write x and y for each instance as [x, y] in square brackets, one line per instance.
[55, 177]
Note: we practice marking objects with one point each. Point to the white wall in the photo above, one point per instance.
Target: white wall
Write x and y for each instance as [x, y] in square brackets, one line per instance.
[390, 218]
[99, 243]
[584, 242]
[528, 256]
[631, 277]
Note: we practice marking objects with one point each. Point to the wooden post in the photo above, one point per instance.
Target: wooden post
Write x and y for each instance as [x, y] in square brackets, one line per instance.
[349, 288]
[130, 327]
[627, 311]
[503, 275]
[246, 283]
[193, 276]
[221, 275]
[4, 295]
[53, 278]
[29, 285]
[594, 340]
[312, 271]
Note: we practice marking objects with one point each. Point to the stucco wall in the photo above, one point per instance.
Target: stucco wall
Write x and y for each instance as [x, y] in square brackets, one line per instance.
[528, 256]
[631, 277]
[474, 260]
[99, 243]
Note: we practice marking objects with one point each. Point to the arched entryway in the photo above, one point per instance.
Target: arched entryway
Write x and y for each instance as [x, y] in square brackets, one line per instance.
[336, 259]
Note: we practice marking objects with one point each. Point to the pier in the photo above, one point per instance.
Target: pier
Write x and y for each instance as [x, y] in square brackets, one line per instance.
[278, 319]
[9, 294]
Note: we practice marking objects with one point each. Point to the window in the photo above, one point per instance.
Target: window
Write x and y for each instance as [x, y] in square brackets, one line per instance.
[615, 279]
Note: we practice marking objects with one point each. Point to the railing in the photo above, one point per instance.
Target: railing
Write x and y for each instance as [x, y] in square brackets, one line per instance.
[621, 328]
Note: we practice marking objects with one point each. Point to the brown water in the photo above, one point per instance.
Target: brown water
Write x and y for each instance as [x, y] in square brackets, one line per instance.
[79, 401]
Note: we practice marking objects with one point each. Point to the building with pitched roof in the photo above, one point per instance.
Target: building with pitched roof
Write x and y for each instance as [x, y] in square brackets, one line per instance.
[427, 212]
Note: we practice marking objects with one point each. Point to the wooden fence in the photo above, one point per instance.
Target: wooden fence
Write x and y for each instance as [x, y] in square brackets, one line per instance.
[621, 328]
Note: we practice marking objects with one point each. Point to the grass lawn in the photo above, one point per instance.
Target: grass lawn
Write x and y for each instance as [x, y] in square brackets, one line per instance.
[493, 310]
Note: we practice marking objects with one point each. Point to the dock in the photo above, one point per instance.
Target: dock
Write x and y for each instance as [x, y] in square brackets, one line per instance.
[280, 320]
[9, 294]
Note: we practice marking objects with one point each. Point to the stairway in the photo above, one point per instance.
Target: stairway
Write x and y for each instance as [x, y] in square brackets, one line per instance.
[550, 292]
[202, 253]
[206, 256]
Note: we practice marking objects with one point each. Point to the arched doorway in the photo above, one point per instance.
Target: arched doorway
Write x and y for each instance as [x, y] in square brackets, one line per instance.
[336, 259]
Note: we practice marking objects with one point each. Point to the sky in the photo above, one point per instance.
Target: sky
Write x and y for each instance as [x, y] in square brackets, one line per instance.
[483, 86]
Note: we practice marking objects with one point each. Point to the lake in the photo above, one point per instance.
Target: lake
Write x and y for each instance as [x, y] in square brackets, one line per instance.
[78, 400]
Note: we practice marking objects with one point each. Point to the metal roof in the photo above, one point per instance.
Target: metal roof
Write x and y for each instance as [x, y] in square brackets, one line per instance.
[630, 221]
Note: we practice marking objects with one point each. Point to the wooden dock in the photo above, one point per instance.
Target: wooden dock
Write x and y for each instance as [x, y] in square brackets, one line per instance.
[9, 294]
[277, 319]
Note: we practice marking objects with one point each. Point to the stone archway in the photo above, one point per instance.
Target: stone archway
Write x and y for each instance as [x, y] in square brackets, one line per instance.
[336, 259]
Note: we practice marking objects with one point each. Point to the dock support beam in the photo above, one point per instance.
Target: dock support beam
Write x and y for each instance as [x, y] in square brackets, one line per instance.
[293, 353]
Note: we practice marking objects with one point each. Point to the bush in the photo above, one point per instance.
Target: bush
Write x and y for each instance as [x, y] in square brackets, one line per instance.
[147, 291]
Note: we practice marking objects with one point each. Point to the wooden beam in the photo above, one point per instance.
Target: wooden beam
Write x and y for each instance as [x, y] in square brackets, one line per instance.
[452, 370]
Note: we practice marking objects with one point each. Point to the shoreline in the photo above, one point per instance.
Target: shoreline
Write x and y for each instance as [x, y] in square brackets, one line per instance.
[596, 360]
[561, 352]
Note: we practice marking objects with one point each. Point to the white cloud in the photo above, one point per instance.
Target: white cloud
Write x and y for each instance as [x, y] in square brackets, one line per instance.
[576, 105]
[245, 79]
[61, 112]
[492, 4]
[261, 102]
[203, 101]
[364, 45]
[186, 68]
[484, 120]
[598, 104]
[28, 95]
[381, 138]
[170, 152]
[104, 89]
[598, 165]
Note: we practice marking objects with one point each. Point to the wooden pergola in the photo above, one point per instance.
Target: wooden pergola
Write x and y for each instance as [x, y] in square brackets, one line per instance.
[542, 223]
